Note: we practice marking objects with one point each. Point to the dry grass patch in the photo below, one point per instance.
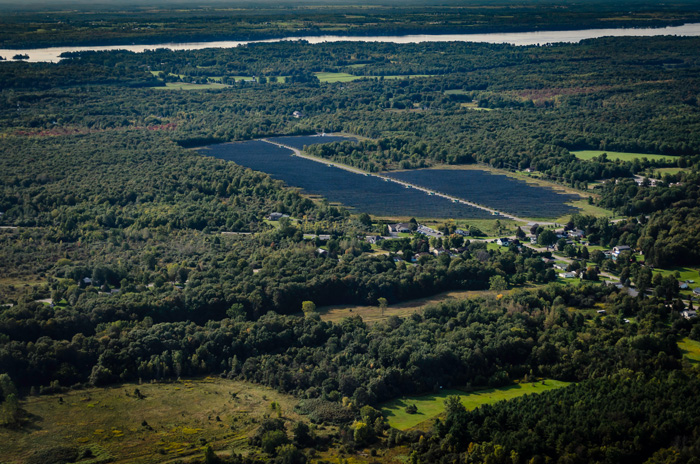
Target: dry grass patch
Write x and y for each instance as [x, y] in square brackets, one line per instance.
[170, 420]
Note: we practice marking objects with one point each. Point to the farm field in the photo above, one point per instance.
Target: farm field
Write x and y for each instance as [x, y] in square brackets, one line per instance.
[690, 349]
[431, 406]
[500, 192]
[617, 155]
[299, 142]
[364, 193]
[171, 420]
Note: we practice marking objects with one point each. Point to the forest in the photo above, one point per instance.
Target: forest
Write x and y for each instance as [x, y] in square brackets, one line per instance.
[128, 256]
[218, 20]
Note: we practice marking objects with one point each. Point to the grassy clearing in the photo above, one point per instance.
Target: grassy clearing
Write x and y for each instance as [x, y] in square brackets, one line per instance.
[431, 406]
[663, 171]
[187, 86]
[690, 349]
[584, 208]
[618, 155]
[336, 77]
[179, 417]
[372, 314]
[685, 273]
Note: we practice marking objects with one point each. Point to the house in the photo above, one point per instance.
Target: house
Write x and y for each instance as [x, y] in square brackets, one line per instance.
[462, 232]
[276, 216]
[576, 233]
[439, 251]
[569, 275]
[505, 241]
[400, 228]
[372, 239]
[298, 114]
[689, 314]
[87, 280]
[560, 266]
[619, 249]
[418, 256]
[683, 285]
[321, 252]
[696, 291]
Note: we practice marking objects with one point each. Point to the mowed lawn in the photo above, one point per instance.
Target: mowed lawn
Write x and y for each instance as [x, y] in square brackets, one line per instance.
[690, 349]
[618, 155]
[431, 406]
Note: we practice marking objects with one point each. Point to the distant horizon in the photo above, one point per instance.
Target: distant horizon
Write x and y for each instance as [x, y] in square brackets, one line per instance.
[57, 5]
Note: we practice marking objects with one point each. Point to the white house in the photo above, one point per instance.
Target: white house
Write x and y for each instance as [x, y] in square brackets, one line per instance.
[619, 249]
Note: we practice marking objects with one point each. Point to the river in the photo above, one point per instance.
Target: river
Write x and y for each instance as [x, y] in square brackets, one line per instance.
[52, 54]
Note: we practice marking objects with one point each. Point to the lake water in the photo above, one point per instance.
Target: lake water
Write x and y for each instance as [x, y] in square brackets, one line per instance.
[515, 38]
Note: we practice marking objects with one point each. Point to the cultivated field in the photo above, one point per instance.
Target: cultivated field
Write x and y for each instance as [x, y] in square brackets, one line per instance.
[431, 406]
[618, 155]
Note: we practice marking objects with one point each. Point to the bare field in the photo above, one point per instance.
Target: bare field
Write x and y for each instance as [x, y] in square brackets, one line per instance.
[373, 314]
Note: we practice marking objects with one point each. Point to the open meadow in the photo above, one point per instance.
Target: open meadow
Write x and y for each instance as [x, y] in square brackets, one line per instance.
[146, 423]
[373, 314]
[431, 406]
[690, 349]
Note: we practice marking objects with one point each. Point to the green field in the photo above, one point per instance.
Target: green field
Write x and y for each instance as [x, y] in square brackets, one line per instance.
[663, 171]
[336, 77]
[690, 349]
[685, 273]
[431, 406]
[617, 155]
[186, 86]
